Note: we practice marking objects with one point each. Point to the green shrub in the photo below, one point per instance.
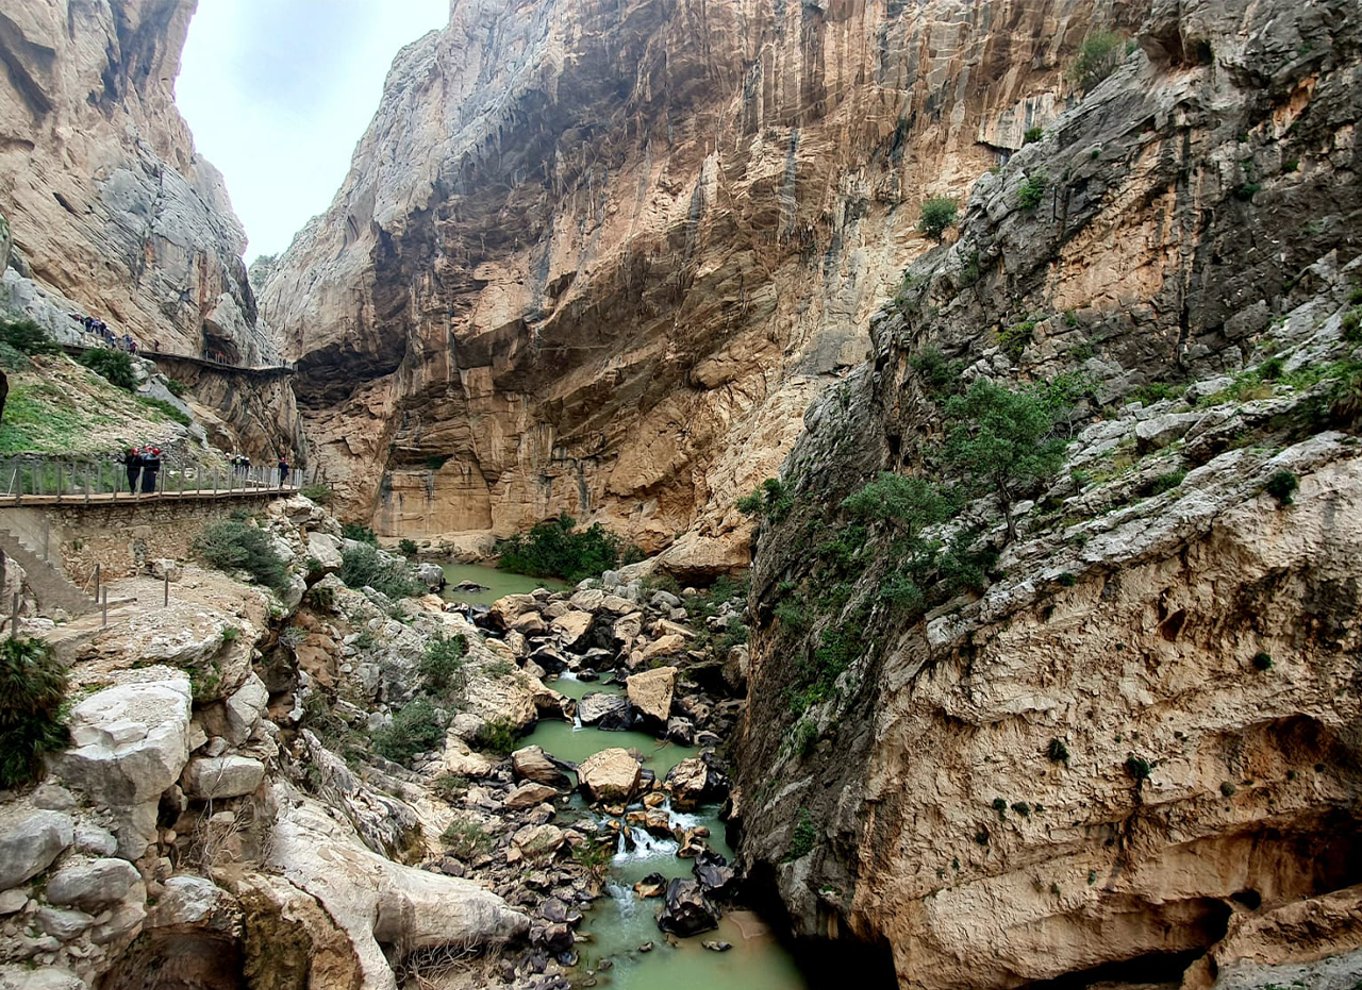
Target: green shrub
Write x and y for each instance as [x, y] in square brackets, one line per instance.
[557, 549]
[1022, 808]
[406, 548]
[1067, 579]
[442, 665]
[319, 492]
[32, 690]
[804, 836]
[176, 388]
[363, 566]
[1032, 135]
[28, 337]
[12, 358]
[1138, 767]
[1228, 789]
[466, 839]
[1157, 392]
[806, 737]
[1015, 339]
[234, 545]
[498, 736]
[1282, 486]
[939, 375]
[451, 787]
[359, 532]
[1057, 751]
[114, 366]
[771, 500]
[910, 503]
[1352, 325]
[1262, 661]
[1032, 191]
[167, 409]
[1098, 57]
[414, 729]
[322, 597]
[937, 214]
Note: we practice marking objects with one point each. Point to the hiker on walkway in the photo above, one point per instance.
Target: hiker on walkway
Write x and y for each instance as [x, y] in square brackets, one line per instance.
[151, 464]
[283, 470]
[132, 462]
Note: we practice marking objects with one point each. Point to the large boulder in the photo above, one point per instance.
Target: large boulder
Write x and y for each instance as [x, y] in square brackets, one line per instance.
[94, 885]
[236, 717]
[669, 645]
[376, 901]
[506, 610]
[687, 911]
[605, 711]
[537, 842]
[51, 978]
[432, 576]
[610, 775]
[325, 550]
[212, 646]
[694, 782]
[651, 693]
[222, 777]
[130, 743]
[715, 877]
[533, 764]
[572, 627]
[528, 795]
[29, 842]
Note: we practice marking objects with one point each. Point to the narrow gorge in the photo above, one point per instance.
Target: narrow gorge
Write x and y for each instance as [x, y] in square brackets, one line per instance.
[920, 442]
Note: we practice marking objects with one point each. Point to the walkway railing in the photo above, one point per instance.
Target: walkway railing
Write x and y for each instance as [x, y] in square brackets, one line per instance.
[103, 480]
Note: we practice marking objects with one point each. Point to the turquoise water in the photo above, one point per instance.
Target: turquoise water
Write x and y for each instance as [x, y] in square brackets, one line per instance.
[618, 925]
[499, 583]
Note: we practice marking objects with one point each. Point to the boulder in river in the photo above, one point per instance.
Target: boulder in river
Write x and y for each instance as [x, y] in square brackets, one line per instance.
[470, 587]
[653, 885]
[610, 775]
[605, 711]
[532, 763]
[714, 875]
[694, 782]
[687, 911]
[651, 693]
[432, 576]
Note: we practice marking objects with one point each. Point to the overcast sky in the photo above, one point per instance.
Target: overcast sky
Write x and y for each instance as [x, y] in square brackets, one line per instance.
[278, 92]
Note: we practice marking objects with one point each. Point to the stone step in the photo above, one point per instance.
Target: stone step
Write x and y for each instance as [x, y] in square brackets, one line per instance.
[50, 586]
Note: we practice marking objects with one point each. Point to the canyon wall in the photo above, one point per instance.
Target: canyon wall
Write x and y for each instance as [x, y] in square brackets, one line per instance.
[111, 211]
[598, 257]
[1123, 744]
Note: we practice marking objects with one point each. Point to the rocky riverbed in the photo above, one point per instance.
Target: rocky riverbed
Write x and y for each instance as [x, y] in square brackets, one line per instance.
[331, 786]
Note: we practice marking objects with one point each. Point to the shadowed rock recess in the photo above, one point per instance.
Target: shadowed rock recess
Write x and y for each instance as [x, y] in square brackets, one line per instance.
[1135, 738]
[598, 257]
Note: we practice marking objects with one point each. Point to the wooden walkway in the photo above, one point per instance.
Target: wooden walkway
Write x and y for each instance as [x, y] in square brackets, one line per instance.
[267, 371]
[103, 499]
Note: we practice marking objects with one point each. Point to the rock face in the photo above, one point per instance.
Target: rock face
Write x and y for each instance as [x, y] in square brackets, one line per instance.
[111, 210]
[30, 842]
[627, 320]
[1135, 731]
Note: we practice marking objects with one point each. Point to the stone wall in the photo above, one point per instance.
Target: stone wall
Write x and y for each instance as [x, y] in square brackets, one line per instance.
[120, 538]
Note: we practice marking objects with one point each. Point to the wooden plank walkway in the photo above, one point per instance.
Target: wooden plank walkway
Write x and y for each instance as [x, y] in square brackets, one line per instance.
[78, 500]
[266, 371]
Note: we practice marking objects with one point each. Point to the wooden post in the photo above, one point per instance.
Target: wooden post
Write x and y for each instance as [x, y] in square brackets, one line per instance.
[166, 603]
[97, 576]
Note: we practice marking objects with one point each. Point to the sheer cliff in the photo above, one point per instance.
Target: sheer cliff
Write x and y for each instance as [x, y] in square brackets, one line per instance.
[1121, 743]
[597, 257]
[111, 211]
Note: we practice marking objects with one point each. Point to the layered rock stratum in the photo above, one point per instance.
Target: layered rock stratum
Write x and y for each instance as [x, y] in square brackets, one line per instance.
[598, 257]
[1125, 748]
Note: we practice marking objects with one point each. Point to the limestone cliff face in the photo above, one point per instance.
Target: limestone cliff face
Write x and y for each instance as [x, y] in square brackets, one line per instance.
[110, 207]
[111, 211]
[1139, 740]
[597, 257]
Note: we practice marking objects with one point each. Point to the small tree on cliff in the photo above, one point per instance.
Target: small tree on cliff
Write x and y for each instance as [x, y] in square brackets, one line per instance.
[937, 214]
[1004, 441]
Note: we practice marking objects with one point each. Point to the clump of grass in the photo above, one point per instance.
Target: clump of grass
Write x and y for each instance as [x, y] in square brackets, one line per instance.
[27, 337]
[406, 547]
[804, 836]
[1057, 751]
[466, 839]
[1262, 661]
[442, 665]
[32, 690]
[1032, 191]
[319, 492]
[235, 545]
[496, 735]
[167, 409]
[359, 533]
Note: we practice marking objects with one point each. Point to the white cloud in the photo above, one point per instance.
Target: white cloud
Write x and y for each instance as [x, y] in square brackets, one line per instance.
[278, 92]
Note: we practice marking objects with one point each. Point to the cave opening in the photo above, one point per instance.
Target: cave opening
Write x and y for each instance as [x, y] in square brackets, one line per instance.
[179, 958]
[1152, 968]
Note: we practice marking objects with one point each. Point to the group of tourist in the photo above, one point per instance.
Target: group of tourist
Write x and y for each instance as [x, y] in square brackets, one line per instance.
[101, 330]
[142, 463]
